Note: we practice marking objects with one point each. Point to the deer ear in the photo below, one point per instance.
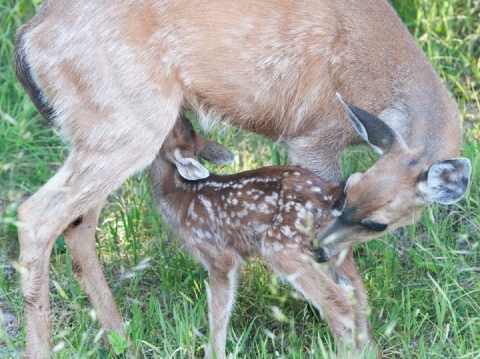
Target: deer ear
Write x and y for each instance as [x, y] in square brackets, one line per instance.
[189, 168]
[215, 152]
[373, 130]
[447, 180]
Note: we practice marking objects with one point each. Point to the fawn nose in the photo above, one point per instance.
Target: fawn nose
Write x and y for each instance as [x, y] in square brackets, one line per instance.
[321, 254]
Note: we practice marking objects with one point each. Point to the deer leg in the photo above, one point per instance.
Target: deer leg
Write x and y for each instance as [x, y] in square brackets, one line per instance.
[45, 216]
[333, 301]
[223, 271]
[67, 196]
[343, 267]
[80, 239]
[33, 268]
[92, 170]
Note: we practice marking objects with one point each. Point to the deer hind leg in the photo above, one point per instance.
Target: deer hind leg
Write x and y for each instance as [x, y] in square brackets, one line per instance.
[68, 195]
[80, 239]
[343, 267]
[91, 171]
[45, 215]
[223, 271]
[333, 301]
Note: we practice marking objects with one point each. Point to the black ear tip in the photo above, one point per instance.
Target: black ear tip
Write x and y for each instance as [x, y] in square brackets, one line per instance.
[228, 156]
[219, 156]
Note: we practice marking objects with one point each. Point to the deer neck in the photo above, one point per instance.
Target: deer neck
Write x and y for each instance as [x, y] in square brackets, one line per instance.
[165, 179]
[424, 114]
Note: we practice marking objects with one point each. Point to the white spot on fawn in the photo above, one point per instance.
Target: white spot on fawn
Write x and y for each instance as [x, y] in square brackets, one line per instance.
[191, 210]
[262, 207]
[277, 246]
[208, 206]
[286, 230]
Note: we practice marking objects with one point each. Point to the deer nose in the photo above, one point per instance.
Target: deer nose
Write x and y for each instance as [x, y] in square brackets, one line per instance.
[348, 215]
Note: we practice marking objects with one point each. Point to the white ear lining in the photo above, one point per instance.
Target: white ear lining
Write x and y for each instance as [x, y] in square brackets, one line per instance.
[356, 123]
[447, 181]
[189, 168]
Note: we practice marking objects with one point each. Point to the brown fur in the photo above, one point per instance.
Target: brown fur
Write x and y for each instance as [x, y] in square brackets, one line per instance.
[273, 213]
[114, 83]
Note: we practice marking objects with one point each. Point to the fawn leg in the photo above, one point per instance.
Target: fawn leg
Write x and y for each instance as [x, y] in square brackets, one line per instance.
[343, 267]
[223, 271]
[80, 239]
[333, 301]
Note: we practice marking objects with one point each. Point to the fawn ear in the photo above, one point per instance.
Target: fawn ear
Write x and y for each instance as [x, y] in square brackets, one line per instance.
[215, 152]
[446, 181]
[374, 131]
[189, 168]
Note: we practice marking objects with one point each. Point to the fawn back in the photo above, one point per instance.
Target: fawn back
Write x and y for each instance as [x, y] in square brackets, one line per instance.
[287, 204]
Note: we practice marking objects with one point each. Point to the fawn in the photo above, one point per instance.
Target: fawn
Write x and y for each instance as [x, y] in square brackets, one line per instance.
[273, 213]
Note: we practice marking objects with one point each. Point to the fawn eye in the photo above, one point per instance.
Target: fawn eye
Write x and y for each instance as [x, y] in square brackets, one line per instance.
[375, 226]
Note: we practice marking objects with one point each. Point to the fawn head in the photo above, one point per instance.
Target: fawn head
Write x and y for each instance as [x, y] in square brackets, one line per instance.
[394, 190]
[184, 144]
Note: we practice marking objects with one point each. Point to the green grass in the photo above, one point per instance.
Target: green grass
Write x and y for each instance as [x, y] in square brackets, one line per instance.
[423, 281]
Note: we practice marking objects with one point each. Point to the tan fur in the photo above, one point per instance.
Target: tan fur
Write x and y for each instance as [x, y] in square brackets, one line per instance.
[80, 239]
[113, 76]
[272, 213]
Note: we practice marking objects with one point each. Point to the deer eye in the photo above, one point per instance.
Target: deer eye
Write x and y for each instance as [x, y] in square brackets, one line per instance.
[375, 226]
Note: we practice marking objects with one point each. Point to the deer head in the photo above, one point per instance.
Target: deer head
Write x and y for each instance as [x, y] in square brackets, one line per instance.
[393, 192]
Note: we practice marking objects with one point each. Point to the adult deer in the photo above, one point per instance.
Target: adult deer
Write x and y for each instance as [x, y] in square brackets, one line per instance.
[114, 75]
[273, 213]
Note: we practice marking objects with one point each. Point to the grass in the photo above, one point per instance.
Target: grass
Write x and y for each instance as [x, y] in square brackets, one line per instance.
[423, 281]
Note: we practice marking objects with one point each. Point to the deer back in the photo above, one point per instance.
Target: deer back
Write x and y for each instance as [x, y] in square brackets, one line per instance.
[274, 71]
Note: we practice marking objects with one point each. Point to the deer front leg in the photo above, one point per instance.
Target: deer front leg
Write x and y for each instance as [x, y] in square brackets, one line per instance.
[80, 239]
[343, 267]
[223, 271]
